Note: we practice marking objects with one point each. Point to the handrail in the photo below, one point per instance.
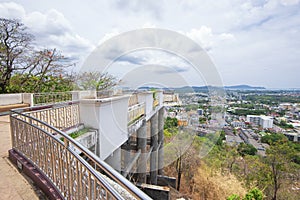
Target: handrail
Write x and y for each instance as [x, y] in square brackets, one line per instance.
[51, 97]
[135, 112]
[62, 181]
[61, 116]
[114, 175]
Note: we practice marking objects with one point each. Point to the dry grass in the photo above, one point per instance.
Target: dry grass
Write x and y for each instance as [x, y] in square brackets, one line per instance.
[206, 185]
[215, 186]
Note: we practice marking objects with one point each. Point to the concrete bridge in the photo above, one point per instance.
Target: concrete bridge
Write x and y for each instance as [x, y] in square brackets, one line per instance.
[125, 135]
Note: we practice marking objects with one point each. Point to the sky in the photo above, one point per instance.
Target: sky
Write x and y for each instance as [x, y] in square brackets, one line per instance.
[254, 42]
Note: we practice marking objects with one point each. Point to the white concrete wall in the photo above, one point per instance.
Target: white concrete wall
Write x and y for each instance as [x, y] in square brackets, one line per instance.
[89, 113]
[88, 139]
[87, 94]
[161, 97]
[267, 123]
[113, 127]
[7, 99]
[146, 97]
[109, 116]
[28, 98]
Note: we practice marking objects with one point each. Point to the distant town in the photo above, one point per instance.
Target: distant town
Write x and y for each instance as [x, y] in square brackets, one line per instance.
[251, 114]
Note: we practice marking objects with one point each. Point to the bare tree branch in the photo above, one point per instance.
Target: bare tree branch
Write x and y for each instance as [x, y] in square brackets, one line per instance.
[17, 55]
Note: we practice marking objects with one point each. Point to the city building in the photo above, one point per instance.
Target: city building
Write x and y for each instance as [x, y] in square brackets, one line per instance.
[286, 106]
[200, 111]
[233, 140]
[182, 119]
[170, 98]
[238, 124]
[292, 136]
[260, 120]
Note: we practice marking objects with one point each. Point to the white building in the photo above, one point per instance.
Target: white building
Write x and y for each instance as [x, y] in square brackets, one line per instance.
[261, 120]
[171, 99]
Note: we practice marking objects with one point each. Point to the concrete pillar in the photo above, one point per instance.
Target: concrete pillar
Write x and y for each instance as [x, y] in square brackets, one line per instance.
[142, 144]
[161, 141]
[114, 160]
[126, 151]
[154, 144]
[86, 94]
[28, 98]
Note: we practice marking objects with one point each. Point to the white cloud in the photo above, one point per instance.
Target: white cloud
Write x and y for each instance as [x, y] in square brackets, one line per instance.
[207, 39]
[148, 25]
[116, 32]
[109, 35]
[134, 6]
[289, 2]
[52, 22]
[11, 10]
[243, 36]
[51, 30]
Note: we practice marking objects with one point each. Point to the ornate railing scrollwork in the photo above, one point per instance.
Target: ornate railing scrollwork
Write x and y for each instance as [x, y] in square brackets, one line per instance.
[72, 175]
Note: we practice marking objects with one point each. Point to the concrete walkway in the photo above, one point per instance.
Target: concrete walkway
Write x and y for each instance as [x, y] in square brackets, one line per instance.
[13, 185]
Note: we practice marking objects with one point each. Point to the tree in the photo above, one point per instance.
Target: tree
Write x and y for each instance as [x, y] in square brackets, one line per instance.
[170, 122]
[284, 125]
[15, 43]
[233, 197]
[231, 157]
[221, 138]
[181, 153]
[28, 83]
[255, 172]
[279, 158]
[246, 149]
[95, 80]
[202, 120]
[273, 138]
[254, 194]
[18, 55]
[186, 163]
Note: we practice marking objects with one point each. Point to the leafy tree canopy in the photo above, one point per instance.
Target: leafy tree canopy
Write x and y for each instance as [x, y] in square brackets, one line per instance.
[246, 149]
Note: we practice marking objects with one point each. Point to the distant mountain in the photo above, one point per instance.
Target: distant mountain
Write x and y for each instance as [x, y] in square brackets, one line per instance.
[244, 87]
[207, 88]
[187, 89]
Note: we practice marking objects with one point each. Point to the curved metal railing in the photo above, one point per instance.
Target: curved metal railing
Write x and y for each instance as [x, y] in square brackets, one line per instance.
[72, 175]
[51, 97]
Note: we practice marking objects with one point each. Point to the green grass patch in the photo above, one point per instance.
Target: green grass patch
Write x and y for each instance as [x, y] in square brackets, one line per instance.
[77, 133]
[134, 120]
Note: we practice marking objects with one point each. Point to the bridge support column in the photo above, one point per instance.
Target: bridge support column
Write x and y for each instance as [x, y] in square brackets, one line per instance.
[142, 144]
[154, 144]
[114, 160]
[161, 141]
[126, 152]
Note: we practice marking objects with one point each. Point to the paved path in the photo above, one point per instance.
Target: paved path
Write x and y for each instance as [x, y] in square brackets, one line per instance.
[13, 185]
